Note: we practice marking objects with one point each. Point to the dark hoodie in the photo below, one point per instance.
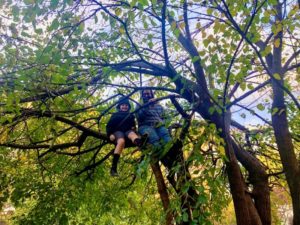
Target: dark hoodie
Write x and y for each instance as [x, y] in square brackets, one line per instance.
[120, 121]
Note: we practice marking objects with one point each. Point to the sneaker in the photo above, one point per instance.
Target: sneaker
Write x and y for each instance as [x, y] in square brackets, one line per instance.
[114, 173]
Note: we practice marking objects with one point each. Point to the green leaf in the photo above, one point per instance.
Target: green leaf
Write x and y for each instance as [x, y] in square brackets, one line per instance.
[118, 11]
[44, 59]
[185, 217]
[54, 4]
[64, 220]
[28, 2]
[209, 11]
[211, 110]
[266, 51]
[274, 111]
[261, 107]
[15, 11]
[195, 58]
[272, 2]
[177, 32]
[39, 31]
[81, 28]
[243, 86]
[48, 48]
[276, 28]
[276, 76]
[150, 44]
[54, 25]
[133, 3]
[57, 78]
[56, 57]
[24, 34]
[265, 19]
[143, 2]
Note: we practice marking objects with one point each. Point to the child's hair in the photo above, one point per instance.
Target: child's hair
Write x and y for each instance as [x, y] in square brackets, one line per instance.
[123, 100]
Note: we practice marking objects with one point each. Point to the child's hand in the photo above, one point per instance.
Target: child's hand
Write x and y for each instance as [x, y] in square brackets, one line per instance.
[112, 137]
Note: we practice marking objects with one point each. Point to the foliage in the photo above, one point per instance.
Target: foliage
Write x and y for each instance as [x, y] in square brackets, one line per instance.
[65, 63]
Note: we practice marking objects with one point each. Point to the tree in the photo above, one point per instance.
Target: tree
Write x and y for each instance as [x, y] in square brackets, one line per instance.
[211, 55]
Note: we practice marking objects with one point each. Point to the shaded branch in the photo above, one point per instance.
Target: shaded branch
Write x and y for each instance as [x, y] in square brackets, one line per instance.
[94, 165]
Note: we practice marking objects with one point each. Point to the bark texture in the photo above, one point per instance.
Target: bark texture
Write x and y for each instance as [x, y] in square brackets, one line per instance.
[163, 193]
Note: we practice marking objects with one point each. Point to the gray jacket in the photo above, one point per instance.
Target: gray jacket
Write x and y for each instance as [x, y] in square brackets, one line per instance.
[151, 115]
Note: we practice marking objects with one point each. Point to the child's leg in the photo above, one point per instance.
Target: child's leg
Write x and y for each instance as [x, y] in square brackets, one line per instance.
[153, 138]
[165, 139]
[132, 135]
[119, 139]
[120, 144]
[163, 134]
[135, 139]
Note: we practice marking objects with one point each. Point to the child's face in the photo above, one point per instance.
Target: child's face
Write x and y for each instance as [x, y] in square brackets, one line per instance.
[124, 107]
[147, 95]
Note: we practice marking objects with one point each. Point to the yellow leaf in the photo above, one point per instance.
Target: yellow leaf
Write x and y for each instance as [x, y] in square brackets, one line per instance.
[118, 12]
[221, 150]
[277, 43]
[210, 37]
[4, 136]
[173, 25]
[122, 30]
[182, 25]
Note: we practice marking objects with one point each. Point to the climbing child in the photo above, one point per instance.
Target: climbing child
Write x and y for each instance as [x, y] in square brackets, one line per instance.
[151, 120]
[120, 128]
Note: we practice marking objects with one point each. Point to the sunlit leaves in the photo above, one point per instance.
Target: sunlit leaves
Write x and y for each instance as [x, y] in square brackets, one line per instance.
[54, 4]
[29, 2]
[54, 25]
[266, 51]
[16, 12]
[260, 107]
[63, 50]
[277, 76]
[276, 28]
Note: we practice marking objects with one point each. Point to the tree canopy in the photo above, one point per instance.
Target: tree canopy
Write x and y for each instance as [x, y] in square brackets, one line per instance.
[228, 71]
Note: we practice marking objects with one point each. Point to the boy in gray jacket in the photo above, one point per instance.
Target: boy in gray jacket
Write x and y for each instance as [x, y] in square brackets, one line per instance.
[151, 121]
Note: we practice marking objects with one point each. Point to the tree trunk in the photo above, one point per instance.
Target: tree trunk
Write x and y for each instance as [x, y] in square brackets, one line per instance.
[163, 193]
[288, 158]
[174, 157]
[246, 212]
[281, 127]
[254, 216]
[235, 177]
[259, 179]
